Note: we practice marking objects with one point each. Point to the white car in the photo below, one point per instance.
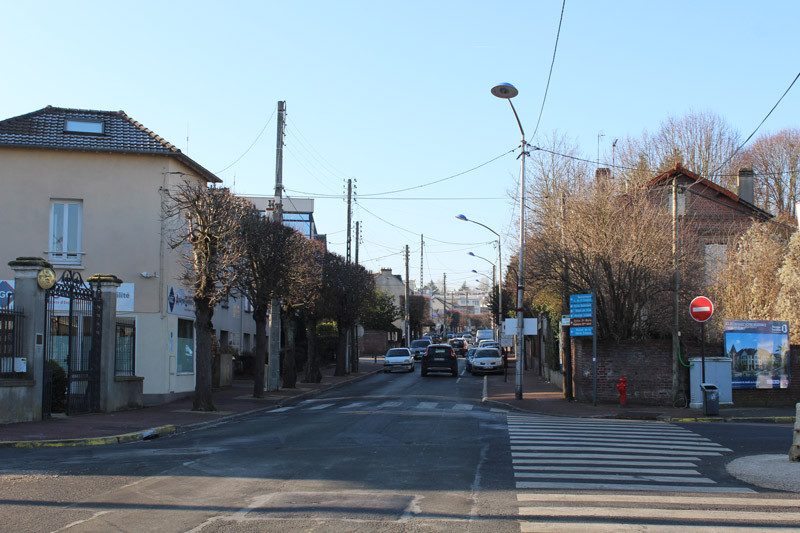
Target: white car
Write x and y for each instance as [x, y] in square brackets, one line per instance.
[487, 360]
[398, 358]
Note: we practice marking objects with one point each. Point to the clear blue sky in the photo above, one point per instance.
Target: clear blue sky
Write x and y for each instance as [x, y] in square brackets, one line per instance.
[396, 94]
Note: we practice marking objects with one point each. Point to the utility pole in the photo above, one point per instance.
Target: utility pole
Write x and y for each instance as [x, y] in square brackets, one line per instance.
[347, 356]
[676, 332]
[566, 346]
[355, 328]
[273, 378]
[408, 307]
[444, 282]
[421, 252]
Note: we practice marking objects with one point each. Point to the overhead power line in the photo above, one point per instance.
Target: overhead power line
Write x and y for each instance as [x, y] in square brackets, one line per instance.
[759, 125]
[552, 62]
[251, 145]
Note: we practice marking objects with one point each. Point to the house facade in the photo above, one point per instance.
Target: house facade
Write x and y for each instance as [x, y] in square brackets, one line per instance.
[85, 190]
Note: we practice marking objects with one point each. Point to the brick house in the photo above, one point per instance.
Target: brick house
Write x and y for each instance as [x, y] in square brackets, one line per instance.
[710, 216]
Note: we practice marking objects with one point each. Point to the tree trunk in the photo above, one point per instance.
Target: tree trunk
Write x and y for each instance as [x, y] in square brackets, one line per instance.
[341, 352]
[313, 374]
[203, 328]
[289, 367]
[260, 355]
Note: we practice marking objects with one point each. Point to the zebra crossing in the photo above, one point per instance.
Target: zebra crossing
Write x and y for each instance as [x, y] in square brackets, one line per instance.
[381, 405]
[568, 454]
[599, 475]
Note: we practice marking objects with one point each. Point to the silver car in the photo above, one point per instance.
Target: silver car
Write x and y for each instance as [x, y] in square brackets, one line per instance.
[398, 358]
[487, 360]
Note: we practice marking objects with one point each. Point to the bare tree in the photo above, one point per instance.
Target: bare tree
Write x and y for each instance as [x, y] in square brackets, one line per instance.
[700, 141]
[750, 283]
[775, 159]
[301, 297]
[205, 226]
[263, 269]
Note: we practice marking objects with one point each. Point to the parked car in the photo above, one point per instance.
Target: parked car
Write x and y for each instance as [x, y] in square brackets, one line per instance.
[468, 357]
[440, 358]
[495, 344]
[486, 361]
[459, 346]
[398, 358]
[418, 347]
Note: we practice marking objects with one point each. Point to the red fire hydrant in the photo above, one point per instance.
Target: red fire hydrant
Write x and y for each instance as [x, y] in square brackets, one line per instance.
[622, 387]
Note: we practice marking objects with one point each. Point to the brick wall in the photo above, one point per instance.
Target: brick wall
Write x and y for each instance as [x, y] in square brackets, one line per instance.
[646, 367]
[373, 343]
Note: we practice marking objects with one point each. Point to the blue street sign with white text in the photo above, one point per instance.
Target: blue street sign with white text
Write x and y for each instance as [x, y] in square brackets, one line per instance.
[581, 332]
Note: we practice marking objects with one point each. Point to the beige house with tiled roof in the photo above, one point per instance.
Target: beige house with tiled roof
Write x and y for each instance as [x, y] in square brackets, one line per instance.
[83, 189]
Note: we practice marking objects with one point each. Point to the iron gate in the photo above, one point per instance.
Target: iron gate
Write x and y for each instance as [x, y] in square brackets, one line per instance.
[72, 347]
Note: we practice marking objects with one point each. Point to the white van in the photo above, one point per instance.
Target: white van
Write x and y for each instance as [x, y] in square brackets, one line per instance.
[484, 335]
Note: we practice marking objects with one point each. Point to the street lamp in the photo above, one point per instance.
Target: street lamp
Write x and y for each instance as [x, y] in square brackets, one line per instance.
[507, 91]
[499, 270]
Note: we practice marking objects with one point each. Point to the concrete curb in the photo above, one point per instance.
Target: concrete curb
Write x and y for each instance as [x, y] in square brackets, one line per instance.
[739, 419]
[170, 429]
[145, 434]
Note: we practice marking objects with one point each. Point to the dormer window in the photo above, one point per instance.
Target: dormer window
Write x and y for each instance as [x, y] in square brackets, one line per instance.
[84, 126]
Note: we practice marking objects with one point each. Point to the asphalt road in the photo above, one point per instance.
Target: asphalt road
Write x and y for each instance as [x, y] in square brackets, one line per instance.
[391, 453]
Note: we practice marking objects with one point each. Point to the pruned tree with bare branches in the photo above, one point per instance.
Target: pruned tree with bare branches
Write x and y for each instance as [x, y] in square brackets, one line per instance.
[205, 224]
[263, 272]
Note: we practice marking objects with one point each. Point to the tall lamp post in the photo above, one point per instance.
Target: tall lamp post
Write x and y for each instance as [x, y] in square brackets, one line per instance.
[499, 269]
[507, 91]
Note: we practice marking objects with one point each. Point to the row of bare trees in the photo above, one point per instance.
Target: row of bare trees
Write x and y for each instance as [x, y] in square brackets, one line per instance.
[229, 248]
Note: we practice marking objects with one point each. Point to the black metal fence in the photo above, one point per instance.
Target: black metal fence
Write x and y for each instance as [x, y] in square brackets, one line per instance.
[12, 364]
[125, 355]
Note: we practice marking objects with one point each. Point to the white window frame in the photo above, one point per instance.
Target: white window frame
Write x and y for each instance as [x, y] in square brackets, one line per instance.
[65, 256]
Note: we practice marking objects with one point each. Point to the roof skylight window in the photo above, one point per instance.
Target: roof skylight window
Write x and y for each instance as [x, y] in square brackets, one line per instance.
[84, 126]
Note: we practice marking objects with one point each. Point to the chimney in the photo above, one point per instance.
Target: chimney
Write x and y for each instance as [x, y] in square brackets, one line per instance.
[745, 188]
[602, 176]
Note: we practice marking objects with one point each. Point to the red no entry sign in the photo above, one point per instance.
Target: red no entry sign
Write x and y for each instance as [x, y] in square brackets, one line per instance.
[701, 308]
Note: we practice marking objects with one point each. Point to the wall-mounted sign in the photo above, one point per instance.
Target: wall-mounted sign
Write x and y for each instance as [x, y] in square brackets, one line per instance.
[180, 302]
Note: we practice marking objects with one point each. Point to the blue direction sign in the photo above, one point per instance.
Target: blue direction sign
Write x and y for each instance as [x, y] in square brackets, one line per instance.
[581, 332]
[580, 314]
[580, 298]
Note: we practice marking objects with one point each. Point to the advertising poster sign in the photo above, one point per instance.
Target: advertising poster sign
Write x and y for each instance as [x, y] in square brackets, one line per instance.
[759, 350]
[180, 301]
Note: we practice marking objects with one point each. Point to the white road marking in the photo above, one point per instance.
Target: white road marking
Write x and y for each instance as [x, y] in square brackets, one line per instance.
[320, 406]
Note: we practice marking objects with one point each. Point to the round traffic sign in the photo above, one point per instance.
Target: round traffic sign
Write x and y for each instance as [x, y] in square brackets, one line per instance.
[701, 308]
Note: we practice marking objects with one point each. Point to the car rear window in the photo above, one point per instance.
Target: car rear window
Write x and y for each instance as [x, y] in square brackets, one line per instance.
[486, 353]
[439, 350]
[397, 352]
[420, 343]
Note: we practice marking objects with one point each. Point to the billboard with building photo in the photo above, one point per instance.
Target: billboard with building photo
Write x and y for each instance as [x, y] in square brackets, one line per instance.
[759, 350]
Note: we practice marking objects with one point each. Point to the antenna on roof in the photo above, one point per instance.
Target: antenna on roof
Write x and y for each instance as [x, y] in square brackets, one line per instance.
[187, 138]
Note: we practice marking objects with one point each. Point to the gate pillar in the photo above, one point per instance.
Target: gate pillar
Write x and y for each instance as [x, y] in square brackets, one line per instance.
[30, 299]
[108, 285]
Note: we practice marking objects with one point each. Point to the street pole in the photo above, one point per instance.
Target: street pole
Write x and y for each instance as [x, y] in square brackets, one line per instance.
[347, 354]
[507, 92]
[676, 339]
[500, 316]
[444, 326]
[408, 307]
[273, 378]
[355, 327]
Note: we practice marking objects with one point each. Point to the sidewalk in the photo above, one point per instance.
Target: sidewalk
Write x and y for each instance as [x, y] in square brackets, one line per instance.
[150, 422]
[539, 397]
[542, 397]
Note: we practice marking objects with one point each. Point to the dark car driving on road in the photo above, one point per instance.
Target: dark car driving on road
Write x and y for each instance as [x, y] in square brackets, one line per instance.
[440, 358]
[418, 347]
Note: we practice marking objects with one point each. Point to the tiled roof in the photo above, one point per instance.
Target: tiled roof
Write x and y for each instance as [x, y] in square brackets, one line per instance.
[678, 170]
[46, 129]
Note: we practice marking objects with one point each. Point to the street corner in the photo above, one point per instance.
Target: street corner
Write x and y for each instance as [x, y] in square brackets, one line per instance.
[769, 471]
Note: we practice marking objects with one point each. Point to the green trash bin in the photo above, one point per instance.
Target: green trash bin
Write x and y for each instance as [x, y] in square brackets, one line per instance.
[710, 398]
